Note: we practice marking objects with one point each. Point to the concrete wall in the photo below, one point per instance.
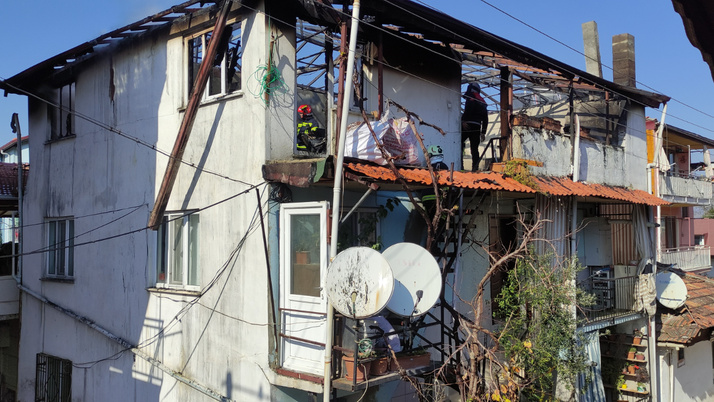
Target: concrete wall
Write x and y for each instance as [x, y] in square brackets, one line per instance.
[693, 378]
[108, 183]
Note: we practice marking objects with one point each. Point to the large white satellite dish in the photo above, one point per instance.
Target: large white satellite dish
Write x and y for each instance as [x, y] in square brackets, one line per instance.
[417, 279]
[671, 290]
[359, 282]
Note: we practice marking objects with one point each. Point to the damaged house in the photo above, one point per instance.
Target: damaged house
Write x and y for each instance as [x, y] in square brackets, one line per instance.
[178, 238]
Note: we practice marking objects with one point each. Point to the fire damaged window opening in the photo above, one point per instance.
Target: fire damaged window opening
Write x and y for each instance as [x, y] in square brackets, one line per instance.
[60, 246]
[225, 75]
[61, 112]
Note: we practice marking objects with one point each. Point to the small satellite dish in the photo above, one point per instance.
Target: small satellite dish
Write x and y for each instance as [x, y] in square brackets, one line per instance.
[671, 290]
[417, 279]
[359, 282]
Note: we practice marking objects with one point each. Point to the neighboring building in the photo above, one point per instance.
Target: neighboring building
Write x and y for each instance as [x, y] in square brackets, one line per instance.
[226, 299]
[8, 152]
[9, 293]
[685, 180]
[684, 343]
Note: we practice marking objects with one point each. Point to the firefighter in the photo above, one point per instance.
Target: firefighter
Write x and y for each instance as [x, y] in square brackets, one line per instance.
[474, 121]
[310, 137]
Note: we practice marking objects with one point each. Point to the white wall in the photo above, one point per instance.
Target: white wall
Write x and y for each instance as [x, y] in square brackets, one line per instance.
[693, 379]
[101, 178]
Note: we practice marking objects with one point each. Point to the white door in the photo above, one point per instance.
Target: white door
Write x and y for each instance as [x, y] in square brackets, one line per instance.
[303, 305]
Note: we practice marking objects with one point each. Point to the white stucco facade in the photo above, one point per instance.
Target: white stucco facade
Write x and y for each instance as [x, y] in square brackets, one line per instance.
[688, 379]
[107, 181]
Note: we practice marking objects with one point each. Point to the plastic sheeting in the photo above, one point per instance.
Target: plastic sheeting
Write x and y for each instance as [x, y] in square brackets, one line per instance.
[395, 135]
[590, 382]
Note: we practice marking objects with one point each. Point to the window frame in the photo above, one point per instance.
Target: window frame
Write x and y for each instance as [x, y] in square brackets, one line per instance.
[61, 249]
[61, 112]
[166, 257]
[191, 70]
[53, 366]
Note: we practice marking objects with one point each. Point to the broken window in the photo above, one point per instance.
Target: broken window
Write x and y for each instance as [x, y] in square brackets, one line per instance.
[225, 75]
[60, 246]
[53, 379]
[177, 251]
[61, 112]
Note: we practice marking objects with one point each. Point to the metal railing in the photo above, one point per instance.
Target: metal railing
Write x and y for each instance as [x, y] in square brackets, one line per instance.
[687, 258]
[494, 156]
[613, 298]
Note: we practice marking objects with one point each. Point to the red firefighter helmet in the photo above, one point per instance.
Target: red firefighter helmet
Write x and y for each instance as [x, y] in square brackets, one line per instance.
[305, 110]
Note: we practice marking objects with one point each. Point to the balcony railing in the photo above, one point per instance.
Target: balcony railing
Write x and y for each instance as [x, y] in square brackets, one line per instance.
[688, 189]
[613, 298]
[689, 258]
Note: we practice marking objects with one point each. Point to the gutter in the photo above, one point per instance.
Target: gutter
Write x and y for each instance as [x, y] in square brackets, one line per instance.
[128, 346]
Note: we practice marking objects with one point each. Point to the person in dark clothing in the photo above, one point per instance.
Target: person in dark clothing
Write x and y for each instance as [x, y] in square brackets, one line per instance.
[310, 137]
[474, 121]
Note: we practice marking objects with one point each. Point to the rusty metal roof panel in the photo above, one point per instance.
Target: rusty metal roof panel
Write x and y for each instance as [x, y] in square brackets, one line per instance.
[472, 180]
[563, 186]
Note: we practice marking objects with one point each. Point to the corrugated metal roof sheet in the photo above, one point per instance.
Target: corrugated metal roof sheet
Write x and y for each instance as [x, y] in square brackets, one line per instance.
[564, 186]
[686, 323]
[558, 186]
[473, 180]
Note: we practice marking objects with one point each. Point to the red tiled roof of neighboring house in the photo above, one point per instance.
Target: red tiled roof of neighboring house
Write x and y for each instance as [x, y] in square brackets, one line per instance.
[13, 141]
[697, 314]
[559, 186]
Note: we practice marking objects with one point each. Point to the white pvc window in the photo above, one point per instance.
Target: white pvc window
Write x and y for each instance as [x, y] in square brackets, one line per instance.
[225, 75]
[60, 248]
[177, 252]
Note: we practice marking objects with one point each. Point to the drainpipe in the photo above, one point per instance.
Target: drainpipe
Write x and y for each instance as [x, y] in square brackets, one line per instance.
[654, 379]
[337, 190]
[16, 129]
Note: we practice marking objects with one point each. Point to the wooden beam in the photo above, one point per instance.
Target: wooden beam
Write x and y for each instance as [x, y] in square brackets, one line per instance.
[189, 116]
[506, 111]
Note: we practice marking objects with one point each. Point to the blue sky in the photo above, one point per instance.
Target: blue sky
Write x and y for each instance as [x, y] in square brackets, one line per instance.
[665, 60]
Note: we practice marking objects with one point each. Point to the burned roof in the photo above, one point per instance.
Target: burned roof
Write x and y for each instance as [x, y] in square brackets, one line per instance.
[398, 17]
[697, 16]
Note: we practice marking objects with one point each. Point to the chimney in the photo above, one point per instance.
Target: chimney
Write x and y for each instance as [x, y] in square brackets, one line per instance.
[591, 41]
[623, 60]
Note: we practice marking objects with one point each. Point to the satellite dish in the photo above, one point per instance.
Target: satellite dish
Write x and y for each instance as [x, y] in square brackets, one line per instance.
[359, 282]
[417, 279]
[671, 290]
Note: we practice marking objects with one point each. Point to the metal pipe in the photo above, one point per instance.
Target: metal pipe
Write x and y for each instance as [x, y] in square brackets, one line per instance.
[16, 128]
[337, 190]
[361, 200]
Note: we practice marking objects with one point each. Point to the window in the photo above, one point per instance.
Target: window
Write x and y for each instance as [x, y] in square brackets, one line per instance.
[177, 251]
[61, 114]
[53, 379]
[680, 357]
[361, 228]
[699, 240]
[225, 75]
[60, 248]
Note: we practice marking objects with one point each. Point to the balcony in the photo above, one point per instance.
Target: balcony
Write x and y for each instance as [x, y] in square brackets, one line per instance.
[9, 297]
[690, 258]
[614, 299]
[685, 189]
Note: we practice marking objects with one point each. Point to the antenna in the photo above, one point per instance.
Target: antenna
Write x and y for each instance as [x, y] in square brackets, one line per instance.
[359, 282]
[417, 279]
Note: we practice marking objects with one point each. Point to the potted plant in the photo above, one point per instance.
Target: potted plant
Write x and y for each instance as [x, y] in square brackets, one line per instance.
[641, 387]
[631, 369]
[637, 337]
[410, 359]
[640, 356]
[642, 375]
[363, 368]
[380, 365]
[631, 353]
